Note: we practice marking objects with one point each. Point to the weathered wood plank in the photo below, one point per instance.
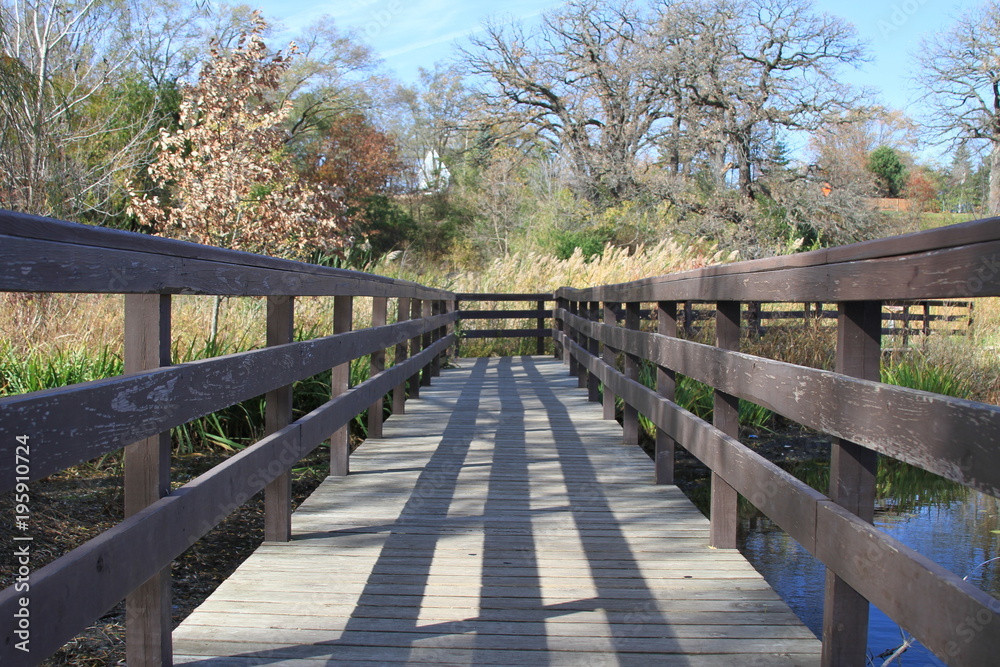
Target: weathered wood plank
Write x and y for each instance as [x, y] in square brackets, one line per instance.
[506, 333]
[477, 297]
[503, 314]
[473, 526]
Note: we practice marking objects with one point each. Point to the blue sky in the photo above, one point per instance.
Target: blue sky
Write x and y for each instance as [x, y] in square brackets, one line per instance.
[416, 33]
[409, 34]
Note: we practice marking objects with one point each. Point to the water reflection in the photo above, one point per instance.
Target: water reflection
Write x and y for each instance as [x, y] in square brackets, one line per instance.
[950, 524]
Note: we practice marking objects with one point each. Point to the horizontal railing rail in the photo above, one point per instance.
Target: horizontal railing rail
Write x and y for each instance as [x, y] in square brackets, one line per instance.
[954, 438]
[64, 426]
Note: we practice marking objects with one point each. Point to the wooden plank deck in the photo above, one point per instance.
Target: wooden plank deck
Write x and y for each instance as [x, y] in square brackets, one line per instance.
[499, 522]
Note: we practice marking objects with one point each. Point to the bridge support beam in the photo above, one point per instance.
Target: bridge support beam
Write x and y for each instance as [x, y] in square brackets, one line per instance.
[340, 378]
[726, 418]
[666, 325]
[852, 483]
[147, 479]
[277, 415]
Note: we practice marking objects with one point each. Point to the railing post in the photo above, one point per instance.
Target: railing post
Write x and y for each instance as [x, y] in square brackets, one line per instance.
[450, 306]
[666, 385]
[594, 347]
[574, 365]
[610, 319]
[726, 418]
[399, 392]
[427, 339]
[540, 341]
[560, 324]
[630, 416]
[147, 479]
[454, 328]
[380, 307]
[852, 483]
[340, 377]
[277, 415]
[435, 336]
[416, 309]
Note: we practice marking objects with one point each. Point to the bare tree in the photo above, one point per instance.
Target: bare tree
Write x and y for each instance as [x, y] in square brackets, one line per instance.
[85, 119]
[960, 74]
[840, 150]
[583, 82]
[693, 85]
[332, 74]
[758, 65]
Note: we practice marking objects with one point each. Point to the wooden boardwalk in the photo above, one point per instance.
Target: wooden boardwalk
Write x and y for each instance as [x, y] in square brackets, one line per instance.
[499, 522]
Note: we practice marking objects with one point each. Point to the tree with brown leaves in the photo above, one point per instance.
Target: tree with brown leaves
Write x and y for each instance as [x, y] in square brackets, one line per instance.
[225, 177]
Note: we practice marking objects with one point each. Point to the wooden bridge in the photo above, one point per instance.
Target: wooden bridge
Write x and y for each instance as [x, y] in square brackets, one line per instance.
[502, 517]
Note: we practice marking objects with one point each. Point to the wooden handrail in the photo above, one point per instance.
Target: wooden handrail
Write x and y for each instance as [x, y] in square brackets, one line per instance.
[951, 437]
[955, 438]
[43, 255]
[925, 598]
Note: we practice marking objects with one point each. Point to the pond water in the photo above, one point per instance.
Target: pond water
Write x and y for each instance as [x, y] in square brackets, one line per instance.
[954, 526]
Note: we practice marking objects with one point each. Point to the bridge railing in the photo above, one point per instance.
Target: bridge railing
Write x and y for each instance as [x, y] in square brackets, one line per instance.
[44, 432]
[954, 438]
[486, 307]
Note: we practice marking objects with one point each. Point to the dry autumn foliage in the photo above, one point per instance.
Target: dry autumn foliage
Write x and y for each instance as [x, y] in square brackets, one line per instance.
[225, 175]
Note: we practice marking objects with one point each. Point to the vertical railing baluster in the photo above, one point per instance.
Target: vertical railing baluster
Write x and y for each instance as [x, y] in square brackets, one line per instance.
[380, 308]
[147, 479]
[852, 483]
[594, 347]
[726, 418]
[630, 416]
[340, 377]
[610, 319]
[416, 309]
[666, 385]
[278, 415]
[399, 392]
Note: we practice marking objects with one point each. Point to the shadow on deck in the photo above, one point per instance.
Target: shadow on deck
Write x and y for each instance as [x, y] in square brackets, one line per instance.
[499, 521]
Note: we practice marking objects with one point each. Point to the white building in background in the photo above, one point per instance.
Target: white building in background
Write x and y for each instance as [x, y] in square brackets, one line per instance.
[433, 173]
